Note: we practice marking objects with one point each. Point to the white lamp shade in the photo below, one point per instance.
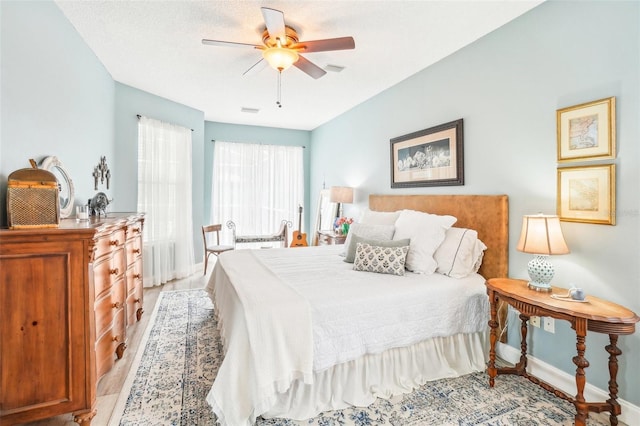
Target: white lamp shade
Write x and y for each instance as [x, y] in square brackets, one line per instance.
[541, 234]
[341, 194]
[280, 58]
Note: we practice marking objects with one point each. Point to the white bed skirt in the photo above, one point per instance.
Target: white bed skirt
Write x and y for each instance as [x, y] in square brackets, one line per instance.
[393, 372]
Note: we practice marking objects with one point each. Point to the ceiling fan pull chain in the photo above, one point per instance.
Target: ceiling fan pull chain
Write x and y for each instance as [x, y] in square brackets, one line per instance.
[279, 89]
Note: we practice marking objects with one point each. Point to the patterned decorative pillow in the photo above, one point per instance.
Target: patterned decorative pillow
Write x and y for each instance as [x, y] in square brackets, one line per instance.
[382, 260]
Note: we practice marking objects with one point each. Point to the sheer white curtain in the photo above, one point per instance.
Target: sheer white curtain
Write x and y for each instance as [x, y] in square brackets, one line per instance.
[256, 186]
[164, 195]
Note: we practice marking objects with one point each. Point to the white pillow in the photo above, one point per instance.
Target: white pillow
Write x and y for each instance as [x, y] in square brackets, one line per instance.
[478, 254]
[371, 217]
[459, 253]
[426, 232]
[369, 232]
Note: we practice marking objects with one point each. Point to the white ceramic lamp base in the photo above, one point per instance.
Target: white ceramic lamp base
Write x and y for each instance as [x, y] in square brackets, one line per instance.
[541, 272]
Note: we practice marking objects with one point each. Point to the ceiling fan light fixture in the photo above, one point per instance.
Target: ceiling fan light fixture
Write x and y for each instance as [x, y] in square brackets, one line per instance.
[280, 58]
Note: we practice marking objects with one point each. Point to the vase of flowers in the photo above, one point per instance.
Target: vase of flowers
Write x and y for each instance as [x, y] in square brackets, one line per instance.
[342, 224]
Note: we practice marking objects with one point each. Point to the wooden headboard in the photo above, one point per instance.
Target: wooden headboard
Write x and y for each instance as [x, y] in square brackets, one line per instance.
[487, 214]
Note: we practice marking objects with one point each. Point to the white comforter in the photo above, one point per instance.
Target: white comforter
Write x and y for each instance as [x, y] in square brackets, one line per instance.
[333, 314]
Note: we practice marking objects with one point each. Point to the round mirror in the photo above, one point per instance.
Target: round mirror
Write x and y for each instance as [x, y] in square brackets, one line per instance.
[65, 185]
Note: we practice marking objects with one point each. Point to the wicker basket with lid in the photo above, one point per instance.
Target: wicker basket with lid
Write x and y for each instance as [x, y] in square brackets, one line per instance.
[32, 199]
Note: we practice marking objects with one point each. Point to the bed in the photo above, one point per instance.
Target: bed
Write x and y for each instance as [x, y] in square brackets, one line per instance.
[303, 332]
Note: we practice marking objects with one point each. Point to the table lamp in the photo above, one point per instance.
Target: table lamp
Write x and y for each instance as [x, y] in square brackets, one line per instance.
[541, 235]
[341, 195]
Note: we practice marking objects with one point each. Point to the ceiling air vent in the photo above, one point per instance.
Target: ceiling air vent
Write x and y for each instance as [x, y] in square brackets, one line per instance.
[334, 68]
[250, 110]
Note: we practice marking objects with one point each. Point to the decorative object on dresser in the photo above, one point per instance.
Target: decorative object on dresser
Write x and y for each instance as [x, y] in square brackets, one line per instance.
[32, 199]
[541, 235]
[430, 157]
[98, 204]
[587, 131]
[595, 315]
[341, 195]
[67, 298]
[65, 184]
[102, 172]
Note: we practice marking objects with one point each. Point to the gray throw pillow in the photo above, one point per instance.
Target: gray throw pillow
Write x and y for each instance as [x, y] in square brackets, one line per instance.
[350, 254]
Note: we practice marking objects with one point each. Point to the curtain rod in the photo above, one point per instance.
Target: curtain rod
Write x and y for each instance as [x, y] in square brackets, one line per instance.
[138, 115]
[260, 143]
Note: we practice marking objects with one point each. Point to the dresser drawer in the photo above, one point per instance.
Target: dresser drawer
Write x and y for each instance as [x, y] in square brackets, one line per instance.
[103, 314]
[134, 305]
[111, 344]
[105, 350]
[134, 276]
[134, 230]
[107, 243]
[102, 276]
[134, 250]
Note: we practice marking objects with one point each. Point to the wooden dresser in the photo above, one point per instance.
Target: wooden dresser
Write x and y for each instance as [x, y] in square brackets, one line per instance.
[67, 297]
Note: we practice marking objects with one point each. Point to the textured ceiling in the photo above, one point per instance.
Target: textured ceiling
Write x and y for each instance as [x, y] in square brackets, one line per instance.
[156, 46]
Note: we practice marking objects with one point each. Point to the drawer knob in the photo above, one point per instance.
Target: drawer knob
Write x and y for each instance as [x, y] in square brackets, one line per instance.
[137, 276]
[136, 230]
[136, 251]
[113, 242]
[116, 305]
[113, 271]
[116, 338]
[137, 300]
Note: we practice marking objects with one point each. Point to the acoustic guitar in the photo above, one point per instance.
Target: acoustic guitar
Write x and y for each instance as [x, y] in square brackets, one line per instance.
[299, 239]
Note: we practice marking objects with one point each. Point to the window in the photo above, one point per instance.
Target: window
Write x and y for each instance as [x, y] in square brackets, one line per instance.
[256, 186]
[164, 195]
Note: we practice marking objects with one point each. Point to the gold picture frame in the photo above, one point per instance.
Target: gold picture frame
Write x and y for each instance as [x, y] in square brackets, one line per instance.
[587, 194]
[587, 131]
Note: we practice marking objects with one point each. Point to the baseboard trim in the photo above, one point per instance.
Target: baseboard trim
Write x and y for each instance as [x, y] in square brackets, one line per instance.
[566, 382]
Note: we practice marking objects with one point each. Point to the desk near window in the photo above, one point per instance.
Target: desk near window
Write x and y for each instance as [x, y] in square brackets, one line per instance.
[595, 315]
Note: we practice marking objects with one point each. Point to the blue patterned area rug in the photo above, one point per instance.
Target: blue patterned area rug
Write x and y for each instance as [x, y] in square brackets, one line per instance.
[183, 352]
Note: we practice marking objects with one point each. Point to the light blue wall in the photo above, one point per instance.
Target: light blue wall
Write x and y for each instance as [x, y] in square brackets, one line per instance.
[507, 87]
[57, 98]
[253, 134]
[131, 102]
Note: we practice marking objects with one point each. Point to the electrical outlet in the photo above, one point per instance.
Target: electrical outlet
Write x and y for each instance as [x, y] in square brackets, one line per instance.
[549, 324]
[534, 321]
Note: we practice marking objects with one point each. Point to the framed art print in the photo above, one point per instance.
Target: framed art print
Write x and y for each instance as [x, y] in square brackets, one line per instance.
[587, 194]
[430, 157]
[587, 131]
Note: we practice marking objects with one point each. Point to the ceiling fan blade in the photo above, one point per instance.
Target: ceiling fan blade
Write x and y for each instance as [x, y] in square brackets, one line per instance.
[258, 66]
[340, 43]
[309, 67]
[274, 20]
[229, 44]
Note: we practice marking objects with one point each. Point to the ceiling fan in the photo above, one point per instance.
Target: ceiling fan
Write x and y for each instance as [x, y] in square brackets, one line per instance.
[281, 47]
